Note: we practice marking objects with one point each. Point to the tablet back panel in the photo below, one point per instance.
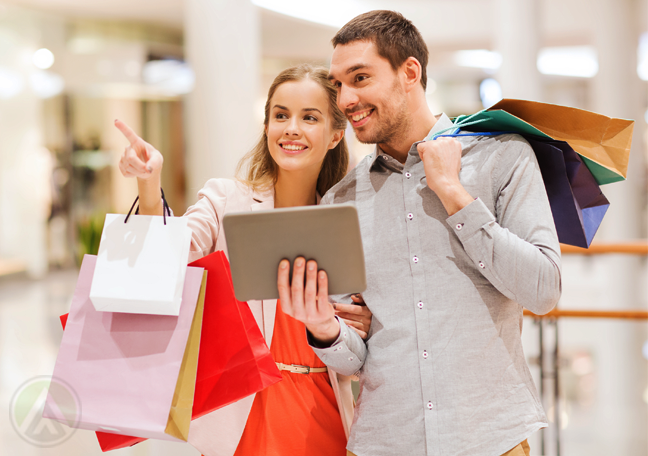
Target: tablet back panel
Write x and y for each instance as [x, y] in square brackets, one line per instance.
[258, 241]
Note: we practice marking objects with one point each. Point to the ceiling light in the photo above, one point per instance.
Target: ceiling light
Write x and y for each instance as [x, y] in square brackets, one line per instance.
[43, 59]
[577, 61]
[478, 58]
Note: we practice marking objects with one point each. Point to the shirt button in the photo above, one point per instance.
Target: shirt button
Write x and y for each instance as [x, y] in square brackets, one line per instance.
[338, 348]
[420, 304]
[430, 406]
[459, 226]
[481, 265]
[408, 175]
[384, 157]
[410, 216]
[351, 358]
[415, 259]
[425, 354]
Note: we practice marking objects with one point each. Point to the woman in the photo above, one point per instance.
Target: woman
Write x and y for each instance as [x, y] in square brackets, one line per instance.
[301, 154]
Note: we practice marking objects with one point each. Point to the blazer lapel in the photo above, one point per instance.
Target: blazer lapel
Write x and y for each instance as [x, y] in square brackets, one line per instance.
[262, 201]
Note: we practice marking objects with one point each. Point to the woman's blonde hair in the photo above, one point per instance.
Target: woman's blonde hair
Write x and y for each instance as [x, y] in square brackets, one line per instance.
[258, 169]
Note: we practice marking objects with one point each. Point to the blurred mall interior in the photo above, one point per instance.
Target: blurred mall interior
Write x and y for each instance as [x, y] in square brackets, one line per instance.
[191, 77]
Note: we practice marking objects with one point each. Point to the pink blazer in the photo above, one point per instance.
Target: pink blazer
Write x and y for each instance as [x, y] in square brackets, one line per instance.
[218, 433]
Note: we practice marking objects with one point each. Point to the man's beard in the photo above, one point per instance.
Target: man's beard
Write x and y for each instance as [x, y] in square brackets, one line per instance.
[392, 124]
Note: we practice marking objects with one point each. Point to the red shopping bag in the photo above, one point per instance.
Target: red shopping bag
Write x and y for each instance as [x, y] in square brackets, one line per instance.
[234, 361]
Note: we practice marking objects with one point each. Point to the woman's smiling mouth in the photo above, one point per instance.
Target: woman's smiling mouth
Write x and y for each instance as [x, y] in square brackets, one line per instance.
[293, 147]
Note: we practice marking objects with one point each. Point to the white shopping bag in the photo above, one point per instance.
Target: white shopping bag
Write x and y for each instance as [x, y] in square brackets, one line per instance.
[141, 264]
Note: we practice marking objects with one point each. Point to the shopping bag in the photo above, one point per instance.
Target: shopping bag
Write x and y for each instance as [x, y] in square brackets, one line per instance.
[234, 360]
[602, 142]
[577, 203]
[133, 374]
[108, 441]
[141, 264]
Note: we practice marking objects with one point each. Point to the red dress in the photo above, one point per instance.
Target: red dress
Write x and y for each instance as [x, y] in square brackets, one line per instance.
[299, 415]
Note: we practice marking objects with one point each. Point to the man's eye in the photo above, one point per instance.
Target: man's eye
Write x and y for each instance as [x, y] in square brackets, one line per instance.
[360, 78]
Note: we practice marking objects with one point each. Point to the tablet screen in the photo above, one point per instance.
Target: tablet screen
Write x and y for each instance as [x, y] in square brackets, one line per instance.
[258, 241]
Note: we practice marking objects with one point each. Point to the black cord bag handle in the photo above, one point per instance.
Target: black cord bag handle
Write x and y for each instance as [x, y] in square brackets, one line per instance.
[165, 208]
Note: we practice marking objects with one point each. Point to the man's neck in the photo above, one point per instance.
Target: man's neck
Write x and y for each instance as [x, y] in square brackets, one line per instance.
[421, 122]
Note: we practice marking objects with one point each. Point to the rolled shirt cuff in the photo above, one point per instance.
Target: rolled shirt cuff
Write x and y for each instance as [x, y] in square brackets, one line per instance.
[345, 355]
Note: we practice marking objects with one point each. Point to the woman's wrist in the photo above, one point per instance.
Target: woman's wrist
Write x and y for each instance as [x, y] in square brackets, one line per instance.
[150, 196]
[325, 333]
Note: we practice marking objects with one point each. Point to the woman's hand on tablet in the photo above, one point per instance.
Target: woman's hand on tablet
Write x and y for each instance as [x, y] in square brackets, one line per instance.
[307, 300]
[356, 316]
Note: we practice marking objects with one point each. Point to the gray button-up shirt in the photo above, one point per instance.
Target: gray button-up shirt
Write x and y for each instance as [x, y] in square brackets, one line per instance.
[443, 372]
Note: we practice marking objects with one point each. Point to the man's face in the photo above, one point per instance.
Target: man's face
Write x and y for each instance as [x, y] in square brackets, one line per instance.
[369, 92]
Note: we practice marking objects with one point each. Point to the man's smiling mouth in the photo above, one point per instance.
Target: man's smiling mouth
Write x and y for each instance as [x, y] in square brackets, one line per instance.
[358, 118]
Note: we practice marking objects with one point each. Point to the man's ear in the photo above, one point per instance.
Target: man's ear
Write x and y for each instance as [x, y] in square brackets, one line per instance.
[411, 71]
[337, 137]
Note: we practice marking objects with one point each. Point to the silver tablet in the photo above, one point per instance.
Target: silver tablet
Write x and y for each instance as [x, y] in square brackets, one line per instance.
[258, 241]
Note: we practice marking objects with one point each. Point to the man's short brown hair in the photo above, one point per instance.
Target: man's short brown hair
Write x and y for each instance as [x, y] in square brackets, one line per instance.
[395, 37]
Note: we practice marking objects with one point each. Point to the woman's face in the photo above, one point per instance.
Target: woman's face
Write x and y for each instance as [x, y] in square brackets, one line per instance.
[299, 127]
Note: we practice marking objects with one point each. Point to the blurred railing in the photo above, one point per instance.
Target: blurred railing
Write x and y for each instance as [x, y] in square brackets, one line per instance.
[548, 360]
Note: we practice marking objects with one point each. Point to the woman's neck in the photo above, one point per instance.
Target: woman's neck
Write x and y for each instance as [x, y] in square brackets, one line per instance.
[295, 189]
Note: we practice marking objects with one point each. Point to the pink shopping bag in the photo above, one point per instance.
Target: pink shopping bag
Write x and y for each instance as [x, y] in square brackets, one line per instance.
[122, 369]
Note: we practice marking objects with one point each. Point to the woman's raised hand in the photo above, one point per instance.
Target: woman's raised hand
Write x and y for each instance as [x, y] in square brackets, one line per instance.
[139, 159]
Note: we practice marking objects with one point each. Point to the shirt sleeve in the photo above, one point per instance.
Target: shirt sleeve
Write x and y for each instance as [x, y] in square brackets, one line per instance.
[205, 216]
[346, 355]
[517, 250]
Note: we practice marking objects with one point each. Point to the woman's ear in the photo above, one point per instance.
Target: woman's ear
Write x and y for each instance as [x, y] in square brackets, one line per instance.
[335, 140]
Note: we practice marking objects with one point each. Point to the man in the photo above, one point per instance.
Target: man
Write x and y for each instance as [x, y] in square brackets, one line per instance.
[458, 237]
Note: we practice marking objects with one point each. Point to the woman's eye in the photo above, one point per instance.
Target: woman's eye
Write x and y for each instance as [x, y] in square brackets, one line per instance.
[311, 118]
[281, 115]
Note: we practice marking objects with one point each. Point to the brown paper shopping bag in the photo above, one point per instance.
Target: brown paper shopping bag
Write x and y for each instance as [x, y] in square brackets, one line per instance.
[603, 142]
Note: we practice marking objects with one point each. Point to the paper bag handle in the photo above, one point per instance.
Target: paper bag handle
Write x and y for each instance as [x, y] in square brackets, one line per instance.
[165, 208]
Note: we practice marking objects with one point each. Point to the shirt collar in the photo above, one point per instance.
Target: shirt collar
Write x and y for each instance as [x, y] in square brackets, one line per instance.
[443, 122]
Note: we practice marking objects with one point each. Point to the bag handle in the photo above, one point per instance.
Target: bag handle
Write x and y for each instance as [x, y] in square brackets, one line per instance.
[460, 122]
[165, 208]
[458, 133]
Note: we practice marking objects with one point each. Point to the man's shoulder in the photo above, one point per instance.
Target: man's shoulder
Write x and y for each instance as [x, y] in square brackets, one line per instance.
[506, 149]
[505, 141]
[345, 190]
